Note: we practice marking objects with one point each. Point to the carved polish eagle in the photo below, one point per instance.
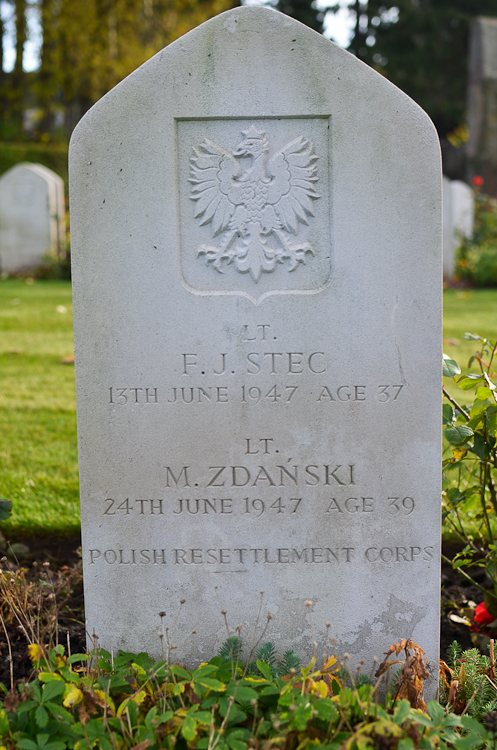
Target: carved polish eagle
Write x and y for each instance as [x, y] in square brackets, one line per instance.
[249, 197]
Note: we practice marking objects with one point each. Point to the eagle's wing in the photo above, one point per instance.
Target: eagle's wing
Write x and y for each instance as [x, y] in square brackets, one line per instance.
[292, 189]
[212, 170]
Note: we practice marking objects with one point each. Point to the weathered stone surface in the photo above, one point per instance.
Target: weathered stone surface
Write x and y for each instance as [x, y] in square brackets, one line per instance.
[32, 218]
[256, 234]
[458, 218]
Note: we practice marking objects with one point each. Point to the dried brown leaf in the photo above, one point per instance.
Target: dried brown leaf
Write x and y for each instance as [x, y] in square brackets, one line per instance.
[83, 714]
[11, 701]
[91, 700]
[142, 745]
[445, 673]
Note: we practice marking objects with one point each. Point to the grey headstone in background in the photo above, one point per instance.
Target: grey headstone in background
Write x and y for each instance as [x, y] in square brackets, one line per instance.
[482, 102]
[32, 219]
[256, 221]
[458, 218]
[57, 208]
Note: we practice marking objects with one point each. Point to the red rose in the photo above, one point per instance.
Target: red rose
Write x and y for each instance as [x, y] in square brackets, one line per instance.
[482, 615]
[477, 180]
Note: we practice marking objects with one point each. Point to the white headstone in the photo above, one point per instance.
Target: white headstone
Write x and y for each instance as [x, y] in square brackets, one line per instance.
[57, 207]
[32, 220]
[256, 234]
[463, 208]
[458, 218]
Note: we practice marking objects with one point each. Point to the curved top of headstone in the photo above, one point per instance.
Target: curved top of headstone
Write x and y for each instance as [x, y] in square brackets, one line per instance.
[252, 61]
[38, 169]
[250, 65]
[47, 173]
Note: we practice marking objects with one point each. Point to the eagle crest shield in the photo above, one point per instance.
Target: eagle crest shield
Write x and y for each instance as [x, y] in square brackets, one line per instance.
[255, 203]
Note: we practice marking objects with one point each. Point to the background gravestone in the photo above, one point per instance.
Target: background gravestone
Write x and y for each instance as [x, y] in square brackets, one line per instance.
[256, 241]
[57, 208]
[458, 218]
[32, 219]
[482, 102]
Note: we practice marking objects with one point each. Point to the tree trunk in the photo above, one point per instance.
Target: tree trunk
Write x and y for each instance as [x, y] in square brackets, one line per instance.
[18, 77]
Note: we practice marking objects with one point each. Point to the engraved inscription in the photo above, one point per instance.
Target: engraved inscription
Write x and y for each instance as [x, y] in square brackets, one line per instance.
[254, 202]
[255, 507]
[240, 557]
[123, 396]
[253, 395]
[239, 475]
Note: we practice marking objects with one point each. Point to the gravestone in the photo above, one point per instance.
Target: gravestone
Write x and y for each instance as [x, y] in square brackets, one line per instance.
[256, 234]
[482, 102]
[458, 218]
[57, 208]
[32, 219]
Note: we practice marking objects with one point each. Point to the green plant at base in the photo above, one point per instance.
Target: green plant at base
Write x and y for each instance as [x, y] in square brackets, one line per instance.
[231, 649]
[473, 690]
[128, 701]
[470, 473]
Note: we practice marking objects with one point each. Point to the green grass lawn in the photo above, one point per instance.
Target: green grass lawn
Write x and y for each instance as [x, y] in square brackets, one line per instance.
[38, 455]
[472, 311]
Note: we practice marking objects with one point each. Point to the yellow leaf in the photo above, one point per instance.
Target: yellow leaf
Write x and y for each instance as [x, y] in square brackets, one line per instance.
[139, 670]
[320, 687]
[255, 679]
[34, 652]
[50, 677]
[330, 661]
[73, 697]
[122, 707]
[59, 662]
[139, 697]
[105, 699]
[458, 453]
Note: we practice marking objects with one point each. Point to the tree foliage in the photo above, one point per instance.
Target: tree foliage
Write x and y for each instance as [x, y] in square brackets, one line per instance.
[88, 46]
[422, 47]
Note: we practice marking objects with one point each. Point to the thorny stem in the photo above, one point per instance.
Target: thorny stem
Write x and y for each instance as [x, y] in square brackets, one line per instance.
[460, 531]
[483, 470]
[454, 403]
[491, 487]
[465, 575]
